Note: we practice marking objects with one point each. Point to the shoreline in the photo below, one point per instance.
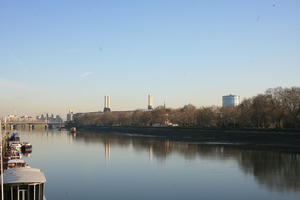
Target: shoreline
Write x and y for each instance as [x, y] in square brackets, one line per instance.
[261, 138]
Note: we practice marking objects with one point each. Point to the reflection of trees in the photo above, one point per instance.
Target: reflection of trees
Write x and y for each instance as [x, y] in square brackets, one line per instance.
[273, 169]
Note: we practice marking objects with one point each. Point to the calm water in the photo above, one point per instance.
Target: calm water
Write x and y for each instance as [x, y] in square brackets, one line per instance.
[115, 166]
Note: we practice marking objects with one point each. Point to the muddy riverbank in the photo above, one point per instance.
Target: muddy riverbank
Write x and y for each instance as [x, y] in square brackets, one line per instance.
[259, 138]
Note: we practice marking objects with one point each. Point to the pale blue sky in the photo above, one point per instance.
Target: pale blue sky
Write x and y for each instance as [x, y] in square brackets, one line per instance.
[56, 55]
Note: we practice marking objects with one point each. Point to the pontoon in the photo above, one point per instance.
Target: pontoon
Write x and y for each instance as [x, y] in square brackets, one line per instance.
[24, 184]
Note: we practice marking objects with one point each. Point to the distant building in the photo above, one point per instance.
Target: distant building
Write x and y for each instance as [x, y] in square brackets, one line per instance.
[58, 119]
[70, 116]
[231, 100]
[11, 117]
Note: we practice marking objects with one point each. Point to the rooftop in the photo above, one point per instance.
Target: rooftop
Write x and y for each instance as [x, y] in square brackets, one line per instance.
[24, 175]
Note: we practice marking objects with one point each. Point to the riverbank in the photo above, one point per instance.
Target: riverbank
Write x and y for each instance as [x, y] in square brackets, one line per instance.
[255, 137]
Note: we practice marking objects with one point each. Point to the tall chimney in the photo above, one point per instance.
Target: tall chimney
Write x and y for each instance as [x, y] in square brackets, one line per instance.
[106, 104]
[150, 102]
[108, 101]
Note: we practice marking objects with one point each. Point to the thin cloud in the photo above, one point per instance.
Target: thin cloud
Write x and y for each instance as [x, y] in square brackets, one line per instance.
[86, 74]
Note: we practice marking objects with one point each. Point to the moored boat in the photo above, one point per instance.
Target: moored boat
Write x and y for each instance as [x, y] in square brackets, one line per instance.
[15, 146]
[14, 137]
[26, 147]
[9, 155]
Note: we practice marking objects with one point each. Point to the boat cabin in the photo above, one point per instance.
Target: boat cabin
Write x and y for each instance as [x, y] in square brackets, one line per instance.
[24, 184]
[15, 146]
[14, 137]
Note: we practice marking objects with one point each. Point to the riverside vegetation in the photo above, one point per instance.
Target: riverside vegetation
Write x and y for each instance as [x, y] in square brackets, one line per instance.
[277, 108]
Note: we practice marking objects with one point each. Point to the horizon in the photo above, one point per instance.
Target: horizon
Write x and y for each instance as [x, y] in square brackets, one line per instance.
[56, 56]
[63, 115]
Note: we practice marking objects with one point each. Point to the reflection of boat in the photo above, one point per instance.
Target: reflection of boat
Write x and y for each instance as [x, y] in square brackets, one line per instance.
[24, 183]
[26, 147]
[73, 130]
[14, 137]
[16, 163]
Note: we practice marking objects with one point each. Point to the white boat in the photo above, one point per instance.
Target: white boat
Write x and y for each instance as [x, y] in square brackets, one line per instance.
[16, 146]
[24, 184]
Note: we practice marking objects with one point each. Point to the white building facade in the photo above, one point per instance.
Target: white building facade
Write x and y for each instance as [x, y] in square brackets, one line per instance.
[231, 100]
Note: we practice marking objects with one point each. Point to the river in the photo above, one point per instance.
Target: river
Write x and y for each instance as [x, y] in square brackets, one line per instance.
[86, 166]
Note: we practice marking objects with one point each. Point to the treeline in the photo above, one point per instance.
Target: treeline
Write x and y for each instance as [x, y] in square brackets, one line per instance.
[276, 108]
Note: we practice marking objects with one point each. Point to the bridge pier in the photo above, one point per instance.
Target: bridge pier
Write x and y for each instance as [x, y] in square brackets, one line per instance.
[19, 126]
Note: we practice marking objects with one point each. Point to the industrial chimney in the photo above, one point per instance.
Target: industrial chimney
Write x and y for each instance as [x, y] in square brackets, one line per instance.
[106, 104]
[150, 102]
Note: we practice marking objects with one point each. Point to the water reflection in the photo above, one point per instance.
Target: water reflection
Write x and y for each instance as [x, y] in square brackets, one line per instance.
[275, 170]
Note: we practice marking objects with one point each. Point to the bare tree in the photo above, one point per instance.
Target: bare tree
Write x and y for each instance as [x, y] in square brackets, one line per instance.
[207, 117]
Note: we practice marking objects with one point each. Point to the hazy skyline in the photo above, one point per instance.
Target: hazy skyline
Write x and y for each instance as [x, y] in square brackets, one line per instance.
[57, 55]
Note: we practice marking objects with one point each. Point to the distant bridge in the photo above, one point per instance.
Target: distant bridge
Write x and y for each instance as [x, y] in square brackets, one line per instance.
[11, 125]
